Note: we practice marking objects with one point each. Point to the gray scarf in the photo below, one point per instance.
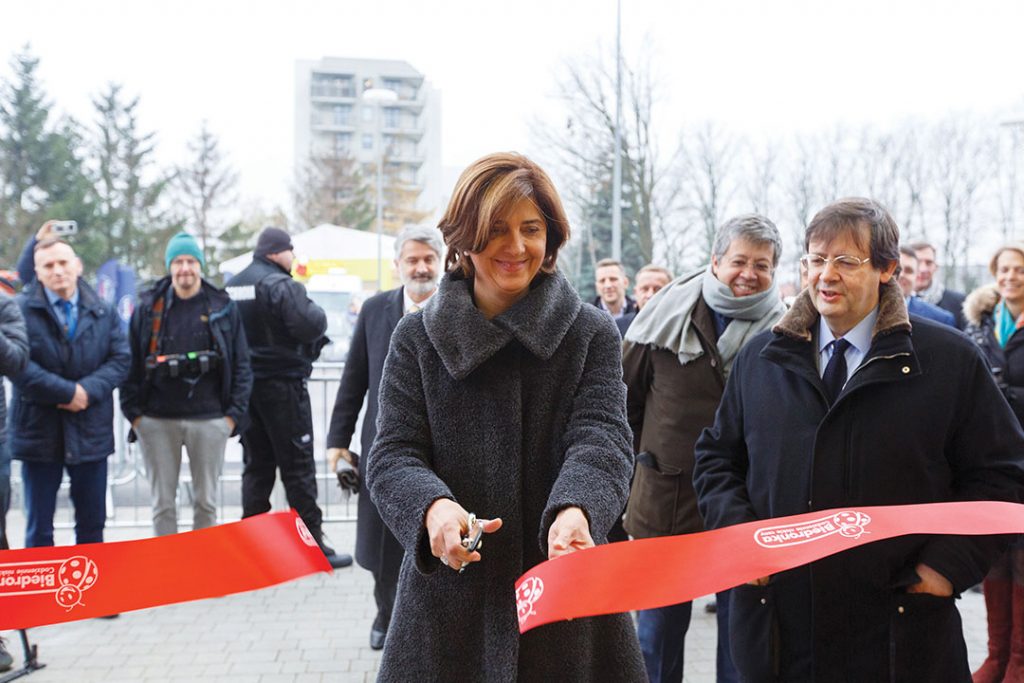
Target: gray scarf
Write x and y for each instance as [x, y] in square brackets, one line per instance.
[666, 322]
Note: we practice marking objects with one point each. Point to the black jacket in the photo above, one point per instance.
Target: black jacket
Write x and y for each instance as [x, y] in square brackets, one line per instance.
[13, 352]
[364, 367]
[229, 341]
[1007, 362]
[954, 303]
[284, 327]
[97, 358]
[920, 421]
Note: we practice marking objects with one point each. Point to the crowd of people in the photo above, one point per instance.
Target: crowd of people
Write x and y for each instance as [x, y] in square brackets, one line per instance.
[499, 406]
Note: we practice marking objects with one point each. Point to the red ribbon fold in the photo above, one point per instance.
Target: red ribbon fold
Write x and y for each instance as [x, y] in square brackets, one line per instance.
[654, 572]
[51, 585]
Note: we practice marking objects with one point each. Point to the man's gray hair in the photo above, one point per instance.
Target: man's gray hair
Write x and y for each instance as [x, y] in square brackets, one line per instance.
[751, 227]
[420, 233]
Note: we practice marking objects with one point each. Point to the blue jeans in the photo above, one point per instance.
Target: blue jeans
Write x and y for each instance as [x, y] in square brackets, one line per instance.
[88, 494]
[662, 635]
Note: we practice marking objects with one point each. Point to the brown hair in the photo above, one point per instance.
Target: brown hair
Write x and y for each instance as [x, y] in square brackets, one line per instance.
[486, 190]
[49, 242]
[1015, 246]
[651, 268]
[852, 215]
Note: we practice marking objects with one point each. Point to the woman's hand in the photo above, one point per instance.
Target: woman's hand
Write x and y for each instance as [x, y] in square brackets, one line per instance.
[447, 522]
[569, 532]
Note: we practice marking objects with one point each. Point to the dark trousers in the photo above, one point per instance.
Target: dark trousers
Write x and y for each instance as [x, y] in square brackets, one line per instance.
[280, 437]
[385, 587]
[88, 495]
[662, 635]
[5, 493]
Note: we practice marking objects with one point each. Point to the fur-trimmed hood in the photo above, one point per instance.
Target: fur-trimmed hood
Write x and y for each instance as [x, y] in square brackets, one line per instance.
[799, 321]
[980, 303]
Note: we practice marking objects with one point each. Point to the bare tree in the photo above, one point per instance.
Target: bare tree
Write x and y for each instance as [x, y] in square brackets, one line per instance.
[581, 153]
[763, 175]
[205, 186]
[962, 165]
[708, 163]
[332, 189]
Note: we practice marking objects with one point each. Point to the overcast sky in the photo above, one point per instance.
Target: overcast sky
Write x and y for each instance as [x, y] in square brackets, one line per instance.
[768, 68]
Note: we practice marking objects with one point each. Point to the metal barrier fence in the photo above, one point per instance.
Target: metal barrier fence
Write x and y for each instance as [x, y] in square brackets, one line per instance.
[128, 494]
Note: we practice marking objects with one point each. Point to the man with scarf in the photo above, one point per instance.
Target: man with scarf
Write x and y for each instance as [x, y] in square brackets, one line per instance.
[676, 357]
[930, 288]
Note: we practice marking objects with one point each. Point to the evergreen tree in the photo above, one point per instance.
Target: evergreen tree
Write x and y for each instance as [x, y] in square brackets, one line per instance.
[133, 223]
[41, 169]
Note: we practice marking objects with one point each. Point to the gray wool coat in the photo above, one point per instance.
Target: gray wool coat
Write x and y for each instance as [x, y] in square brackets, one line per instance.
[517, 417]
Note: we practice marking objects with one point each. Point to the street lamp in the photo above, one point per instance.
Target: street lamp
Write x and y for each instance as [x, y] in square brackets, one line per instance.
[379, 97]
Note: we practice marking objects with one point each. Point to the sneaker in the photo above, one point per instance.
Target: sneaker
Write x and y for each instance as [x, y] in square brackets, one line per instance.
[6, 660]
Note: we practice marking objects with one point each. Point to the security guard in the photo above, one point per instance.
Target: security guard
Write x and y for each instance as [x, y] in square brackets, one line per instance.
[285, 330]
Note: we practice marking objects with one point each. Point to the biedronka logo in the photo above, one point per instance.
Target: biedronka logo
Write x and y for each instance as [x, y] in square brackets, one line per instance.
[848, 523]
[527, 594]
[66, 579]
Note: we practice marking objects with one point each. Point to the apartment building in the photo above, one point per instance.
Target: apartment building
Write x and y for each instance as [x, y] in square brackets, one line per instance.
[333, 118]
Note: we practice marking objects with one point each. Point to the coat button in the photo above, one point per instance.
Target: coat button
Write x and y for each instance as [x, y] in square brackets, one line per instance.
[764, 601]
[714, 363]
[906, 369]
[900, 609]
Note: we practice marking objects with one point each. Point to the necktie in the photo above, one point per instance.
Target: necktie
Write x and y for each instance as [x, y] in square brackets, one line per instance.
[835, 372]
[70, 322]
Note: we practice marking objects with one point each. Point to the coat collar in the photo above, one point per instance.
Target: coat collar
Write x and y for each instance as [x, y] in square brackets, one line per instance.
[792, 347]
[980, 303]
[799, 321]
[464, 338]
[88, 299]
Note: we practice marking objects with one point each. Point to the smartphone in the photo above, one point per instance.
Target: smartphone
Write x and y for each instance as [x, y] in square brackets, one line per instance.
[62, 228]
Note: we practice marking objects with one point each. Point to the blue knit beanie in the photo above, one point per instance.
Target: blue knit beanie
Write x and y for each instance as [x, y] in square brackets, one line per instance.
[183, 243]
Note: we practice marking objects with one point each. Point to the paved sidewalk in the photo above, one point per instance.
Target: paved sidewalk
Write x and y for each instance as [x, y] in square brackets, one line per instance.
[313, 629]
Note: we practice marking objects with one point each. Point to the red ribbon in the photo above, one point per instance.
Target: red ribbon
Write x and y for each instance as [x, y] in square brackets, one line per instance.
[654, 572]
[51, 585]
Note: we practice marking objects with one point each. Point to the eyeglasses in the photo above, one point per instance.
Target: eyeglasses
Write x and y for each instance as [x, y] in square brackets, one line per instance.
[843, 263]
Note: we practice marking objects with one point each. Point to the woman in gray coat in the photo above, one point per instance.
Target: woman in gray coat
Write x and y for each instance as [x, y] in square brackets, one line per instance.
[503, 397]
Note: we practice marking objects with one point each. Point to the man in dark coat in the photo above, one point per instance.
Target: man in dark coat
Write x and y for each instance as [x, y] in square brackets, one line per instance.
[13, 357]
[915, 304]
[844, 403]
[62, 406]
[188, 385]
[931, 289]
[285, 331]
[418, 252]
[649, 280]
[676, 358]
[611, 283]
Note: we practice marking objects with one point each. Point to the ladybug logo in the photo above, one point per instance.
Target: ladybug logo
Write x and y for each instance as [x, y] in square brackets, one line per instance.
[304, 534]
[527, 594]
[76, 575]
